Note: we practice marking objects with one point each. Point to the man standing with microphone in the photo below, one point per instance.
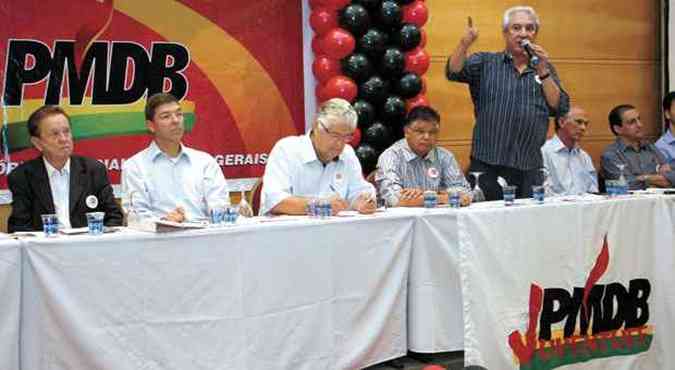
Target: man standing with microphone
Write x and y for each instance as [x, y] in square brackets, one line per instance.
[514, 93]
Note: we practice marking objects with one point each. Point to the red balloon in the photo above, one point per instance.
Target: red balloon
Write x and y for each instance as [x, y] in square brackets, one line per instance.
[416, 13]
[320, 93]
[316, 45]
[433, 367]
[356, 139]
[418, 101]
[313, 4]
[423, 38]
[417, 60]
[336, 4]
[325, 68]
[340, 87]
[323, 20]
[338, 43]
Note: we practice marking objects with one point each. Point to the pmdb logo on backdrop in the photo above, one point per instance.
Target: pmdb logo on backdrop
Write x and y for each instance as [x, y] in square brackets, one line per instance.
[590, 322]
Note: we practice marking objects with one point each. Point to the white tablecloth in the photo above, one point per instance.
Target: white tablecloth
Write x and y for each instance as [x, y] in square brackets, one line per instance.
[472, 269]
[10, 303]
[295, 295]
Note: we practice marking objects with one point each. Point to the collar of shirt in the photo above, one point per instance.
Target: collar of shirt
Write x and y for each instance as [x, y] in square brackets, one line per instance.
[409, 155]
[155, 152]
[307, 152]
[559, 146]
[623, 147]
[508, 59]
[668, 137]
[51, 170]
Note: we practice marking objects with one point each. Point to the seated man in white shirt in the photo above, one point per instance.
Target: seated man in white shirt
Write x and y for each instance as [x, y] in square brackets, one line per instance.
[318, 164]
[570, 168]
[167, 179]
[666, 143]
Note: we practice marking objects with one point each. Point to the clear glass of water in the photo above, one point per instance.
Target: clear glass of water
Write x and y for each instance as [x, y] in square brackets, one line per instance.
[50, 224]
[509, 192]
[430, 199]
[538, 194]
[95, 222]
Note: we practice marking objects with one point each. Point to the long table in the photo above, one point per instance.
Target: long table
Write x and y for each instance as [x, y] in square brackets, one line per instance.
[10, 303]
[280, 295]
[342, 293]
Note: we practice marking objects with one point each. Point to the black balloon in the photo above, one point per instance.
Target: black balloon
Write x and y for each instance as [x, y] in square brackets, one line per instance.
[409, 85]
[355, 19]
[374, 90]
[366, 113]
[373, 43]
[378, 135]
[357, 67]
[370, 4]
[394, 108]
[390, 15]
[404, 2]
[367, 155]
[393, 62]
[409, 37]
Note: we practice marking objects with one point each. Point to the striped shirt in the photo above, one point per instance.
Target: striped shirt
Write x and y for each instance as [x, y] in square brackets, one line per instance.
[399, 168]
[510, 109]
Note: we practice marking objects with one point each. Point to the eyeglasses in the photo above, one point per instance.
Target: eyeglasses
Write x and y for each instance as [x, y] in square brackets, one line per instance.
[336, 136]
[421, 132]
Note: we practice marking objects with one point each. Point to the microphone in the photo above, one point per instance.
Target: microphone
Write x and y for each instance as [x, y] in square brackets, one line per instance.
[527, 45]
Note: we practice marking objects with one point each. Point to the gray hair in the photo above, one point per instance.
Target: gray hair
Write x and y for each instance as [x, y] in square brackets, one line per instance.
[336, 109]
[519, 9]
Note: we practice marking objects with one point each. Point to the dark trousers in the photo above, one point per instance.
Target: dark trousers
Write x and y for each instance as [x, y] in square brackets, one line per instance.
[523, 179]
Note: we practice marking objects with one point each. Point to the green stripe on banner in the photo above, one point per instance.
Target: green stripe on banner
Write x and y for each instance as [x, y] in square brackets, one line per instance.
[566, 354]
[89, 126]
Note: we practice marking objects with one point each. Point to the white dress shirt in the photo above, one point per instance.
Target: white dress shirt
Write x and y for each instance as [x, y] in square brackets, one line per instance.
[571, 171]
[293, 169]
[666, 144]
[59, 183]
[159, 183]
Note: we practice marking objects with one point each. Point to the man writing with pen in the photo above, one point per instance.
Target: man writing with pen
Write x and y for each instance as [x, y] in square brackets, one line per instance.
[318, 164]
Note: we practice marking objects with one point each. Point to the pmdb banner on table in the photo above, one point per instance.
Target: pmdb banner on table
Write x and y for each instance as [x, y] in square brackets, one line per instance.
[236, 66]
[589, 289]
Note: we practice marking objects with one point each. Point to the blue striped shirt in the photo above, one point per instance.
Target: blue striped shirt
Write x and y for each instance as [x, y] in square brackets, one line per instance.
[400, 168]
[510, 108]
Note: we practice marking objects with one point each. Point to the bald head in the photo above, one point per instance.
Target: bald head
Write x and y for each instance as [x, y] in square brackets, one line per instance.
[572, 127]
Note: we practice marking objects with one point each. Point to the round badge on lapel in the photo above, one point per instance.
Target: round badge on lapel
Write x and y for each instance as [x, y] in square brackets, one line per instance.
[92, 201]
[432, 172]
[339, 177]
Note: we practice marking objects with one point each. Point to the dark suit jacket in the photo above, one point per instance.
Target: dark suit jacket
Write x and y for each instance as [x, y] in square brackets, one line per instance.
[32, 195]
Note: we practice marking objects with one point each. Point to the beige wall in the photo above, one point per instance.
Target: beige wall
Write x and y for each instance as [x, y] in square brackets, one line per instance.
[606, 53]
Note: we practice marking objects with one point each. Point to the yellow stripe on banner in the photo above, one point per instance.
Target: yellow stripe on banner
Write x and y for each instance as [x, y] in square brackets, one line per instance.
[28, 106]
[258, 107]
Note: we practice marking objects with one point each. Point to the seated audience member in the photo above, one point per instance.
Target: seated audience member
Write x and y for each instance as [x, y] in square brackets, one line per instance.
[415, 164]
[167, 179]
[645, 166]
[570, 168]
[318, 164]
[666, 144]
[58, 182]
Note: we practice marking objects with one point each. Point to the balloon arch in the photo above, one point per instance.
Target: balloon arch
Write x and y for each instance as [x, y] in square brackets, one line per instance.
[371, 53]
